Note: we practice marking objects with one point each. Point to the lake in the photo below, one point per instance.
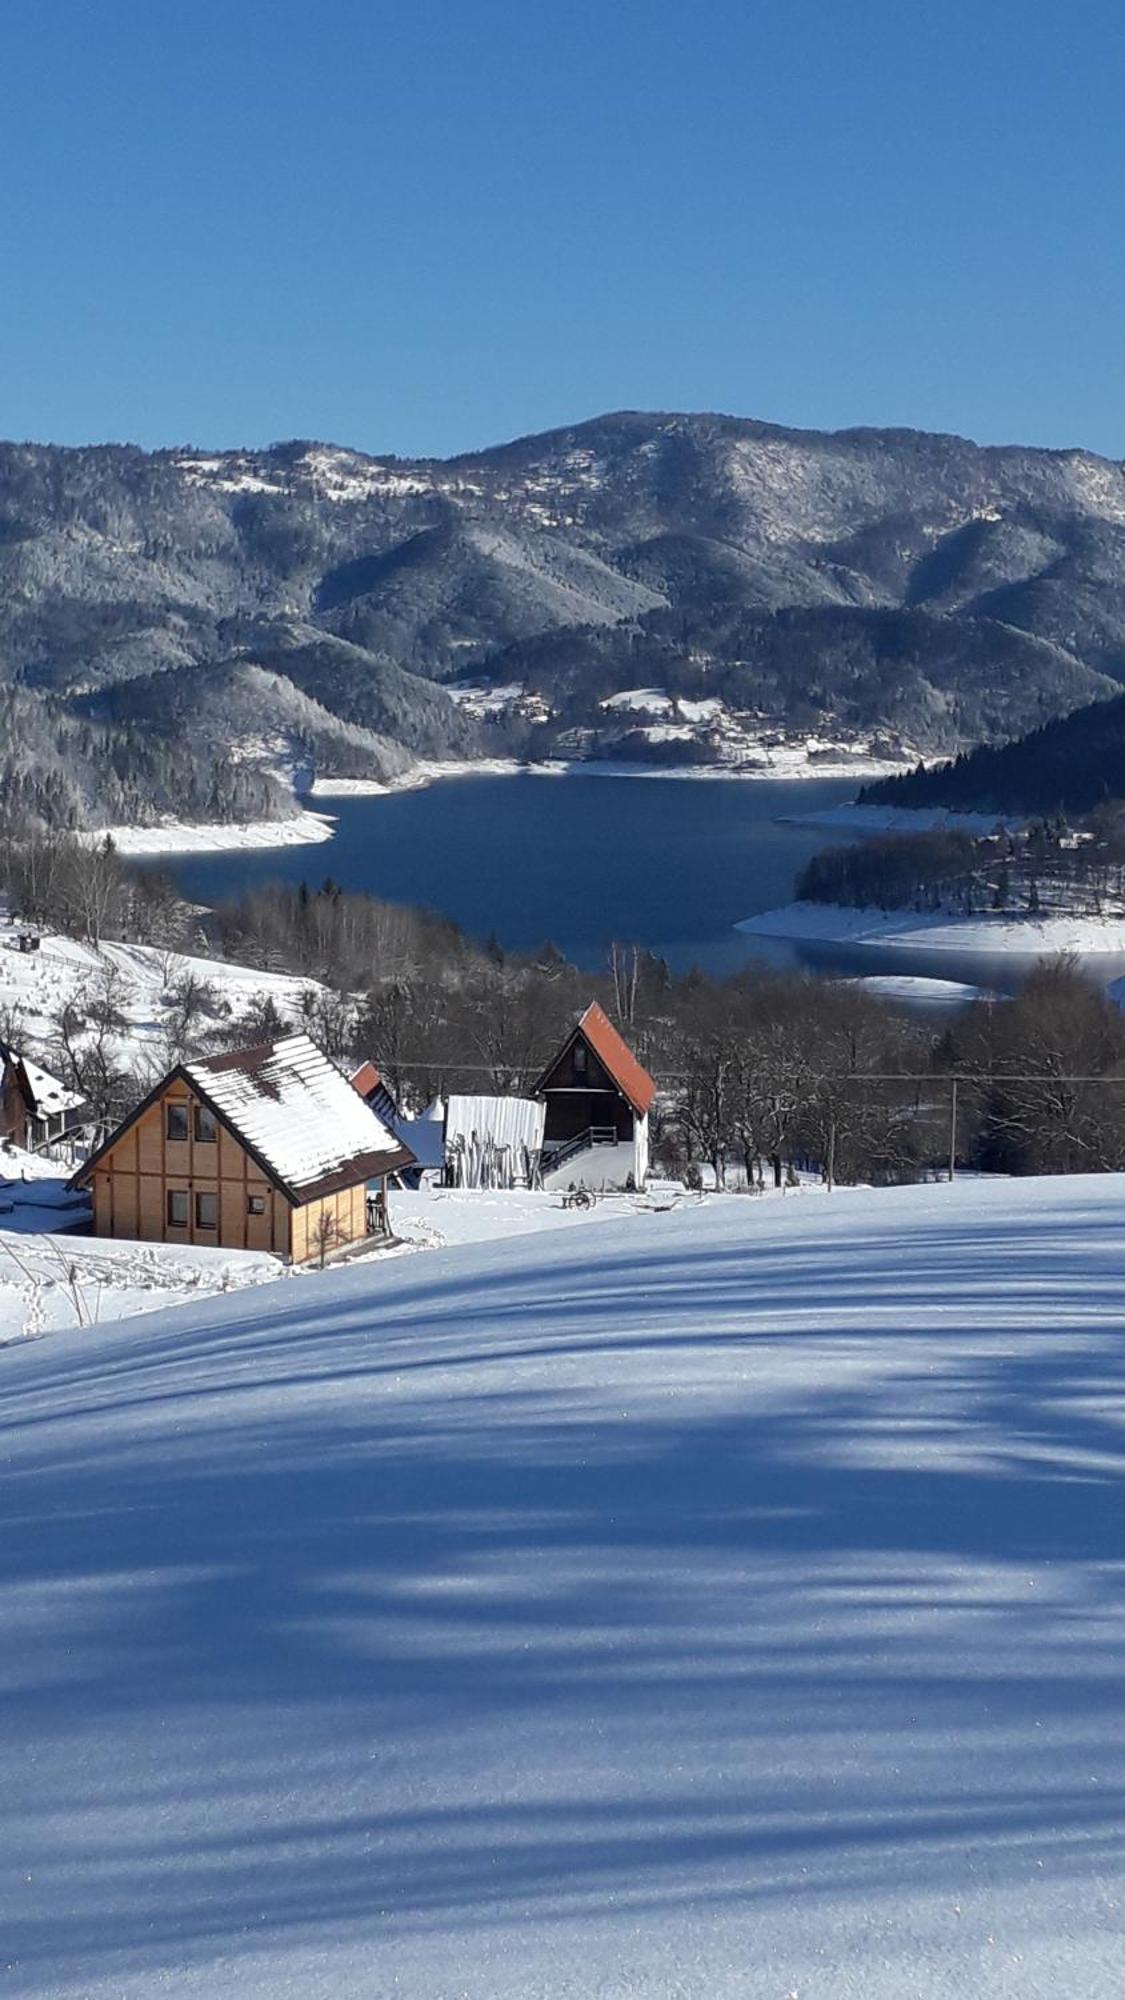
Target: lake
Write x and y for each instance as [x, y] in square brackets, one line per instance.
[668, 863]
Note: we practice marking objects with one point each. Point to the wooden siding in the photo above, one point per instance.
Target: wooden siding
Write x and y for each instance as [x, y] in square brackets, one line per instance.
[341, 1217]
[131, 1185]
[13, 1108]
[577, 1098]
[133, 1181]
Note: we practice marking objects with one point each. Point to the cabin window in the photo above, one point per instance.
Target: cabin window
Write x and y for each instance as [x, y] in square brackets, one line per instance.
[177, 1208]
[206, 1130]
[579, 1058]
[175, 1121]
[255, 1204]
[206, 1211]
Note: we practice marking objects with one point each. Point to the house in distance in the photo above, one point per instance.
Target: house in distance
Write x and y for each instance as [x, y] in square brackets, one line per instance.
[34, 1107]
[598, 1097]
[266, 1148]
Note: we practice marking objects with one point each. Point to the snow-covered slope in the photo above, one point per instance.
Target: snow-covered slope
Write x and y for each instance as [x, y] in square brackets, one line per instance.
[49, 1280]
[722, 1603]
[139, 979]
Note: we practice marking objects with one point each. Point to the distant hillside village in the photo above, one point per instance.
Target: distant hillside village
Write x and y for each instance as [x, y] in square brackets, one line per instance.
[203, 634]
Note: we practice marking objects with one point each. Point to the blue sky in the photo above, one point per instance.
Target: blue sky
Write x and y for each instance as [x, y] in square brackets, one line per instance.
[425, 226]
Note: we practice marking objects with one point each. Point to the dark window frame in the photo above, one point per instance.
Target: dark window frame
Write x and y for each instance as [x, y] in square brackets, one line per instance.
[203, 1114]
[255, 1204]
[177, 1112]
[206, 1195]
[177, 1221]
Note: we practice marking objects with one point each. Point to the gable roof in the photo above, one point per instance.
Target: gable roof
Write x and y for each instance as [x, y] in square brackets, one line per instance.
[374, 1092]
[615, 1056]
[293, 1110]
[43, 1094]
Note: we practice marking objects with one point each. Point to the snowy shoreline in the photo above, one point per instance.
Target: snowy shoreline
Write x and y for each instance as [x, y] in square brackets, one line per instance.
[429, 773]
[902, 819]
[1017, 937]
[308, 826]
[176, 836]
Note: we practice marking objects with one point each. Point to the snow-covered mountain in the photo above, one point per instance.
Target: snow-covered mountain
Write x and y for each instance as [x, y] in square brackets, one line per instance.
[725, 1603]
[309, 607]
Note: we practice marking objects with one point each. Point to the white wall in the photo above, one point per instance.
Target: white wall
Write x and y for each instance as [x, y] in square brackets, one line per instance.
[640, 1150]
[598, 1167]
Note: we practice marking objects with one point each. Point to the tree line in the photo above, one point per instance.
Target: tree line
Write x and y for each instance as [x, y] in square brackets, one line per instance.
[1070, 765]
[1048, 865]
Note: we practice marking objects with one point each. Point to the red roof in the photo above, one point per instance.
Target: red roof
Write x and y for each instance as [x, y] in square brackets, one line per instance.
[615, 1056]
[366, 1079]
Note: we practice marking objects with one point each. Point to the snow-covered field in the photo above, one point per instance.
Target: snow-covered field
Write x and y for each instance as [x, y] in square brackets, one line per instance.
[434, 1218]
[1026, 937]
[38, 983]
[51, 1282]
[719, 1605]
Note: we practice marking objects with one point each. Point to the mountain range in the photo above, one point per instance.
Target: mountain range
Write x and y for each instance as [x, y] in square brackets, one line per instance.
[201, 632]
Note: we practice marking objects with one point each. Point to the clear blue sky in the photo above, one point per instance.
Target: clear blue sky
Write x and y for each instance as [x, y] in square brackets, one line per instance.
[428, 225]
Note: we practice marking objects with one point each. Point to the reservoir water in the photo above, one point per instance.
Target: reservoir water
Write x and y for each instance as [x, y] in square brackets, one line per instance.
[667, 863]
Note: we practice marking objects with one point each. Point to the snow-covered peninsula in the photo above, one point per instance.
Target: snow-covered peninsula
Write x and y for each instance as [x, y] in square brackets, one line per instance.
[987, 932]
[177, 836]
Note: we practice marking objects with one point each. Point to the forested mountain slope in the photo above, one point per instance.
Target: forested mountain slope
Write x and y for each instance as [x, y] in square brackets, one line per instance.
[916, 589]
[1071, 765]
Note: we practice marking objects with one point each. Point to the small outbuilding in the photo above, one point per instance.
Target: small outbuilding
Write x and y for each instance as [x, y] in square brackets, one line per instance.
[266, 1148]
[598, 1098]
[493, 1142]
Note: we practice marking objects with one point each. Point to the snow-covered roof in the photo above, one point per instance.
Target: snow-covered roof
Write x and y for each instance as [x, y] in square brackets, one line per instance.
[299, 1114]
[51, 1096]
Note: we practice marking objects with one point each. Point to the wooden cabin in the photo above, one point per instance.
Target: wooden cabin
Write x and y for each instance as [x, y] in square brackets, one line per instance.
[267, 1148]
[597, 1097]
[34, 1106]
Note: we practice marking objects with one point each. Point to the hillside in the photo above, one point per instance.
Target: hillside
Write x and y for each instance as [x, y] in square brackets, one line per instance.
[311, 611]
[726, 1603]
[1071, 765]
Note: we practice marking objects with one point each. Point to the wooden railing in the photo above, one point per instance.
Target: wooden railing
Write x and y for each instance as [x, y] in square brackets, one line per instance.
[594, 1135]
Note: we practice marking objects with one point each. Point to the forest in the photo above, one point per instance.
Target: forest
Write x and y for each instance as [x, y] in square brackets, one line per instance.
[1072, 765]
[1047, 866]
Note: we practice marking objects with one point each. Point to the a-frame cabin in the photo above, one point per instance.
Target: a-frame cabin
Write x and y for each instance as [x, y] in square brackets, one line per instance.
[598, 1098]
[267, 1148]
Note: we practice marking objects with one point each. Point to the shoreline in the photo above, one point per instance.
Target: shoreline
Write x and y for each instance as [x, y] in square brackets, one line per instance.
[1000, 934]
[903, 819]
[177, 836]
[310, 825]
[429, 772]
